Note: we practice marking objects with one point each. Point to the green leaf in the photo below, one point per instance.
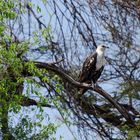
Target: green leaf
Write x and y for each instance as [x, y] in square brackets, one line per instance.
[2, 28]
[38, 9]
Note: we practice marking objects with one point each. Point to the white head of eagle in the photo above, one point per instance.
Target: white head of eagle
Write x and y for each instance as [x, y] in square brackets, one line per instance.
[93, 66]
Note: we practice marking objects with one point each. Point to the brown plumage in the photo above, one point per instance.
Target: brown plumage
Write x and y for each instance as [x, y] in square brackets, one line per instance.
[92, 68]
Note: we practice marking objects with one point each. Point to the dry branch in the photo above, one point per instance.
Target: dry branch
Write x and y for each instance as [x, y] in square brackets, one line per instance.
[98, 89]
[28, 102]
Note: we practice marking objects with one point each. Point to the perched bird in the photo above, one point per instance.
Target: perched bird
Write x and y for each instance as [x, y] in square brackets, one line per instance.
[93, 67]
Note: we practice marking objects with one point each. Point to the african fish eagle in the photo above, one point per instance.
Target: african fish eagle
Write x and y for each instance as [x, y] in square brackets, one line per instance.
[93, 67]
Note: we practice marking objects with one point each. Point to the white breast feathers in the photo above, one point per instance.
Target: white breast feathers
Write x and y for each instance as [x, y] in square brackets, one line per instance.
[100, 60]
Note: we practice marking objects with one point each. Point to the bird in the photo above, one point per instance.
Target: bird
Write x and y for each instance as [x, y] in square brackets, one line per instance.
[93, 67]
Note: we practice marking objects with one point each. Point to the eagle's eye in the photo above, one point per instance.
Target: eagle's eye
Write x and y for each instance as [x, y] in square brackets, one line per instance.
[105, 46]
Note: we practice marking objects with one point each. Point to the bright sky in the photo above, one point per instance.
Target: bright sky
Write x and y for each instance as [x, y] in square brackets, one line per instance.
[54, 115]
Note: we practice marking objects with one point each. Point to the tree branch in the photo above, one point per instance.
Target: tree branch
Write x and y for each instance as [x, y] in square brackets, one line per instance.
[28, 102]
[98, 89]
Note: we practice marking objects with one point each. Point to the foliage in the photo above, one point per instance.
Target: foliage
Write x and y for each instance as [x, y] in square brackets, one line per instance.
[41, 40]
[12, 66]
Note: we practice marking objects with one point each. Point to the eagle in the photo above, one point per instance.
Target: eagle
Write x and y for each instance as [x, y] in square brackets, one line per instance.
[93, 67]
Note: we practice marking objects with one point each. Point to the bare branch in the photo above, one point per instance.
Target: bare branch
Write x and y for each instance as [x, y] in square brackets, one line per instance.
[29, 102]
[98, 89]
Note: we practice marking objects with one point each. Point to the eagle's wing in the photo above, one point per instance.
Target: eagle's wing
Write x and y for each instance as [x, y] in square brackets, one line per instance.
[89, 67]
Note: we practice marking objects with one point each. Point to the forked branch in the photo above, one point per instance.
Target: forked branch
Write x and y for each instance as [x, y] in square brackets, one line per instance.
[99, 90]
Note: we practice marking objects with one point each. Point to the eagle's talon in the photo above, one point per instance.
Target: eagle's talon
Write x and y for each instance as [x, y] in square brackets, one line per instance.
[92, 84]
